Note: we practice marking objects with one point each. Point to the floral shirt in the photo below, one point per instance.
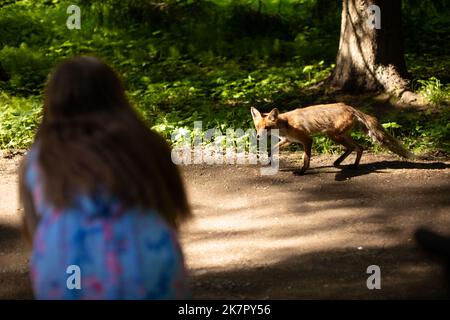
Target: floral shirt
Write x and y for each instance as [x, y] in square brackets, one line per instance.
[118, 253]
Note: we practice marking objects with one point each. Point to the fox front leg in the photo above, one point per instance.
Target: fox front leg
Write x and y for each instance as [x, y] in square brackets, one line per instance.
[282, 143]
[307, 144]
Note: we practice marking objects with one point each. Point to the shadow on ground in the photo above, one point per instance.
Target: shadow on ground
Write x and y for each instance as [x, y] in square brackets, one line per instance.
[334, 274]
[368, 168]
[347, 171]
[14, 274]
[10, 237]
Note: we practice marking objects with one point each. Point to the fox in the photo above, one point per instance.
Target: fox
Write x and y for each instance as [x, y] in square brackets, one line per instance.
[336, 120]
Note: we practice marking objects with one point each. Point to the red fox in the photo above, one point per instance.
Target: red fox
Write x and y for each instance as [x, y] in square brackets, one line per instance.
[336, 120]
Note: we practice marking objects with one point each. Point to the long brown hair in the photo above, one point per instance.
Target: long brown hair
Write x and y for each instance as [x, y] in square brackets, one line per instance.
[90, 137]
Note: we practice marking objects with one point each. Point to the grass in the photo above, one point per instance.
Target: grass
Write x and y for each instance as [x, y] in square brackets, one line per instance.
[433, 90]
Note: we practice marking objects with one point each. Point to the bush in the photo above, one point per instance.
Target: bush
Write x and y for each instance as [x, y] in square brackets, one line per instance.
[433, 90]
[27, 68]
[20, 26]
[19, 119]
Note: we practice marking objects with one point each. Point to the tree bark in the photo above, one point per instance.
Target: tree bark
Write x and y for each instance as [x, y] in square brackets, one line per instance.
[370, 59]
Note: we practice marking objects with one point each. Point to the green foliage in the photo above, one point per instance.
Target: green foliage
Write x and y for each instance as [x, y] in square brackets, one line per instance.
[21, 26]
[27, 68]
[433, 90]
[19, 119]
[184, 61]
[421, 131]
[426, 25]
[221, 95]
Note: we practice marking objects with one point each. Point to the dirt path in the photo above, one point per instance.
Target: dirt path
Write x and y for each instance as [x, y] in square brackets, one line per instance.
[291, 237]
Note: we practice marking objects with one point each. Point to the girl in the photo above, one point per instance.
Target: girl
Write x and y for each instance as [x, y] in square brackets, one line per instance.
[100, 193]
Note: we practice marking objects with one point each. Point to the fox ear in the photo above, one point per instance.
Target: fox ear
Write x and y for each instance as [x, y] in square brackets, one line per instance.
[255, 113]
[273, 115]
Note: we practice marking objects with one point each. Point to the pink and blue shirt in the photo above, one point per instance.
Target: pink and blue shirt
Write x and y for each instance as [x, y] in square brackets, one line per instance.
[121, 253]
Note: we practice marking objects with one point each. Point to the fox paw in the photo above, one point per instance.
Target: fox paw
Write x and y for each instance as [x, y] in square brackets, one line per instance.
[336, 164]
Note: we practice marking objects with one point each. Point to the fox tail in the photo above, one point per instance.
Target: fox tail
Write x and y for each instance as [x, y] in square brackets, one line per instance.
[379, 135]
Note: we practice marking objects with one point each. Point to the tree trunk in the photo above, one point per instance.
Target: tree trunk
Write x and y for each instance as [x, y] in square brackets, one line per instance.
[3, 75]
[370, 59]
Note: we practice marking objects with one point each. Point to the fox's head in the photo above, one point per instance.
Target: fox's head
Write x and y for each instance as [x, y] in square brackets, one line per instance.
[265, 121]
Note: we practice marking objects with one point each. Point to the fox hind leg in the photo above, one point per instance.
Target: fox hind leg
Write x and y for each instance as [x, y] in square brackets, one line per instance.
[350, 145]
